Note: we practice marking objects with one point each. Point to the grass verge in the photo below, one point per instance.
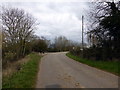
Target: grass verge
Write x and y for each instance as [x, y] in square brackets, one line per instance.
[109, 66]
[26, 77]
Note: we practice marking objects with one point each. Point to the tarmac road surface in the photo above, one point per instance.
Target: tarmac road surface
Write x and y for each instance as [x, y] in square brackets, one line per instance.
[59, 71]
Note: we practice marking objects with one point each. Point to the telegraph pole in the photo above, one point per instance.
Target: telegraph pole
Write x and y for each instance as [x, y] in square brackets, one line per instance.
[82, 31]
[82, 36]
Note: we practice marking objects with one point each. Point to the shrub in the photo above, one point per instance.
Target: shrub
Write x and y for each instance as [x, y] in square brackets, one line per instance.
[10, 56]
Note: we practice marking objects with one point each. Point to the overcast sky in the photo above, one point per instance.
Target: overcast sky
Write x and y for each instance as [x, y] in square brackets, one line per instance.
[56, 17]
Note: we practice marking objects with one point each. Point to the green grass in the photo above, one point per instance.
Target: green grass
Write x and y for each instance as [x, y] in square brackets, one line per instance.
[109, 66]
[26, 77]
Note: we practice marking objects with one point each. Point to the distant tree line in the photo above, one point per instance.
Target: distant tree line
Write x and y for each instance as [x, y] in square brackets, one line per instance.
[40, 44]
[61, 43]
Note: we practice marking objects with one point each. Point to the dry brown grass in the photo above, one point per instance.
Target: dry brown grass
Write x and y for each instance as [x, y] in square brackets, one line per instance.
[14, 66]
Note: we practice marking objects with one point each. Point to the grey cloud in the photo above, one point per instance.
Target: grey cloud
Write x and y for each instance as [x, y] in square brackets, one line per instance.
[56, 18]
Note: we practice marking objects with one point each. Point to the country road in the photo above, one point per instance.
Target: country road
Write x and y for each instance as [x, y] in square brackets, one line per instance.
[58, 71]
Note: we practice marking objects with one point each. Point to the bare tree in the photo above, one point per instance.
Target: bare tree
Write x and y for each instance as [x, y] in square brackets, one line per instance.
[105, 27]
[18, 26]
[61, 43]
[98, 11]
